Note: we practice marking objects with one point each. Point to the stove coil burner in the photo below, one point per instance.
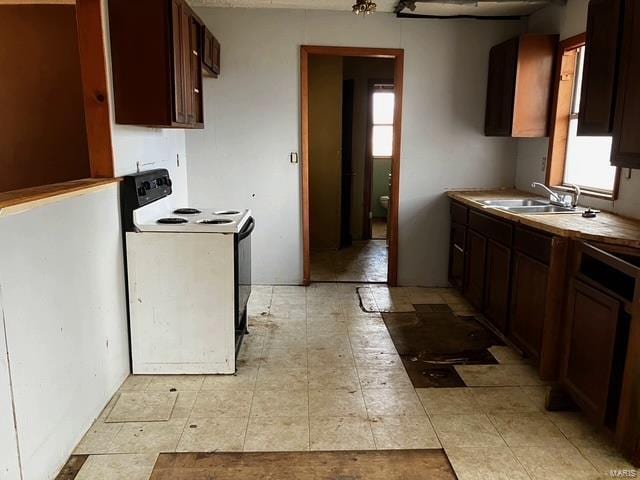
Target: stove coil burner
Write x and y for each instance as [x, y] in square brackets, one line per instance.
[187, 211]
[215, 222]
[172, 221]
[227, 212]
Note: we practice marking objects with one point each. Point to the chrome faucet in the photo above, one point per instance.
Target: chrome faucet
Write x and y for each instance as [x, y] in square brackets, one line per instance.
[576, 194]
[558, 198]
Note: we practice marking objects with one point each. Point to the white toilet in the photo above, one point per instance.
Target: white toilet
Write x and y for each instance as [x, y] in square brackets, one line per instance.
[384, 202]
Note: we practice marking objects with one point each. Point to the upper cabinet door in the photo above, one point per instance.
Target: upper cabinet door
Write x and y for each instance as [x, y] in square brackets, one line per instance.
[210, 53]
[600, 76]
[501, 88]
[155, 53]
[519, 87]
[179, 77]
[626, 145]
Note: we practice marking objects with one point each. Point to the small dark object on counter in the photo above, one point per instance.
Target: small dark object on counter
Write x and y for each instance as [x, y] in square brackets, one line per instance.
[588, 213]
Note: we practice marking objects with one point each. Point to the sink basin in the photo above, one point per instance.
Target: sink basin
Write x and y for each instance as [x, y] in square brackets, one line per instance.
[519, 202]
[539, 209]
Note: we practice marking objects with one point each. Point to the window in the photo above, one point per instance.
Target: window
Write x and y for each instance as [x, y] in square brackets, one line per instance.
[573, 159]
[587, 162]
[382, 127]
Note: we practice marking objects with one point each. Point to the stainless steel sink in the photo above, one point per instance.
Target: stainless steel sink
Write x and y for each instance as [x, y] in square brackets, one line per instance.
[519, 202]
[540, 209]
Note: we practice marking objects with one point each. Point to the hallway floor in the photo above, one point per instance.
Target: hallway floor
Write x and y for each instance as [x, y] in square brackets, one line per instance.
[364, 261]
[318, 373]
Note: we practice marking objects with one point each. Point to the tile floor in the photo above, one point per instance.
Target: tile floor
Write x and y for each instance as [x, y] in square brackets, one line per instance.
[379, 228]
[317, 373]
[364, 261]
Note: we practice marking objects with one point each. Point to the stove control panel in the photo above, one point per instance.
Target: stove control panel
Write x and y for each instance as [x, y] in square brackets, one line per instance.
[143, 188]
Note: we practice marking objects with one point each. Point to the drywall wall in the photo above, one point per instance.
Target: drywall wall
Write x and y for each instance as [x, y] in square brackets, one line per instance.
[63, 301]
[9, 458]
[43, 137]
[325, 150]
[361, 70]
[252, 111]
[532, 153]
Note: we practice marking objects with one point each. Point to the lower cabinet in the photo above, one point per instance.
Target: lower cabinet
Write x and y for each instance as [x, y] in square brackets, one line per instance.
[592, 319]
[474, 275]
[528, 303]
[456, 254]
[515, 276]
[496, 292]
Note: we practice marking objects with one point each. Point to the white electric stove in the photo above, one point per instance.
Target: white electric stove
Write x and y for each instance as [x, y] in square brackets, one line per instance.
[189, 280]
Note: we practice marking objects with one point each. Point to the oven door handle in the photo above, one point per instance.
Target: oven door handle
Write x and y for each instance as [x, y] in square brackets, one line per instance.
[247, 229]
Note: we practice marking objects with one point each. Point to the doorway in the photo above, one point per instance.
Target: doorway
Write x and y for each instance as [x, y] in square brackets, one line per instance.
[351, 114]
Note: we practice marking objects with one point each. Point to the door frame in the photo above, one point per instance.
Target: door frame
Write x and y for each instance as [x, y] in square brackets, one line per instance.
[367, 220]
[398, 56]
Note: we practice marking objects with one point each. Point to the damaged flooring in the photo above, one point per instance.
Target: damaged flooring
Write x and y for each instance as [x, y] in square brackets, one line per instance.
[364, 261]
[369, 465]
[321, 381]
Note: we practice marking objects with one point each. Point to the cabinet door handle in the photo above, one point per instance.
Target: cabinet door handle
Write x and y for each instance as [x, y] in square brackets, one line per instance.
[196, 90]
[195, 52]
[459, 248]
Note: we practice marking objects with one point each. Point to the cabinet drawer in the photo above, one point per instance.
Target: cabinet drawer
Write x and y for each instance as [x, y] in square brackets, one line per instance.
[491, 228]
[536, 245]
[459, 213]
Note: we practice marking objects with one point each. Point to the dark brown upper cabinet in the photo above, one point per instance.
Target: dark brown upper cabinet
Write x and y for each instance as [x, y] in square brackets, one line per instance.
[600, 75]
[210, 53]
[519, 87]
[157, 71]
[626, 141]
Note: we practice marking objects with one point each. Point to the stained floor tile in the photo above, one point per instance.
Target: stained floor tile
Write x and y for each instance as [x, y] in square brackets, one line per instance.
[223, 403]
[452, 401]
[466, 431]
[118, 467]
[391, 401]
[392, 432]
[143, 407]
[555, 463]
[486, 463]
[176, 383]
[224, 434]
[336, 403]
[497, 400]
[147, 437]
[280, 403]
[277, 434]
[498, 375]
[527, 429]
[341, 433]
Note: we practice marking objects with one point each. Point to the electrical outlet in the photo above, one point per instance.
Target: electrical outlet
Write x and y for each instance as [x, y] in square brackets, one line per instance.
[543, 164]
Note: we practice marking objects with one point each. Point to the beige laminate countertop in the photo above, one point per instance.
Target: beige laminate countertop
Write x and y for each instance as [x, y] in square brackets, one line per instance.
[605, 228]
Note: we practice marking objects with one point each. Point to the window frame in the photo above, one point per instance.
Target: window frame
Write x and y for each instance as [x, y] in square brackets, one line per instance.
[561, 114]
[377, 87]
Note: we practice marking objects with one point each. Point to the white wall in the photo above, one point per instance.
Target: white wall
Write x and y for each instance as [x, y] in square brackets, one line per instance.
[252, 122]
[63, 306]
[9, 463]
[532, 153]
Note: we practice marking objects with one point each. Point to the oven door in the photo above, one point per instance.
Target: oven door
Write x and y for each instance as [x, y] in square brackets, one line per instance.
[243, 274]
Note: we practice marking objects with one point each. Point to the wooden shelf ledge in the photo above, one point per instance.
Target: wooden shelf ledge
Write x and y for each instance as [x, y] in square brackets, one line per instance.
[18, 201]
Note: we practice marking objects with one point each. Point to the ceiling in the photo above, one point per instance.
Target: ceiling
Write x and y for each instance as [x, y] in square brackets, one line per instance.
[424, 7]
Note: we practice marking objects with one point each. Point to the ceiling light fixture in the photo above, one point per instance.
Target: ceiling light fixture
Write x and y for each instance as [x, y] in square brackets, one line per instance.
[364, 7]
